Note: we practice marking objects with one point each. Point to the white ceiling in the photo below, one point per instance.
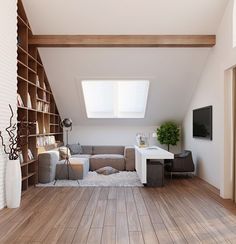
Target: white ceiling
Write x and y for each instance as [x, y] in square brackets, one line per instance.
[173, 73]
[124, 16]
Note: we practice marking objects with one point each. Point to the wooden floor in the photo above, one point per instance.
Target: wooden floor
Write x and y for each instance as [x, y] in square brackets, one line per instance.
[184, 211]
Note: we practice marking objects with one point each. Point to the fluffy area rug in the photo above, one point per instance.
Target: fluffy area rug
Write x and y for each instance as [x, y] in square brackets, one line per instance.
[123, 178]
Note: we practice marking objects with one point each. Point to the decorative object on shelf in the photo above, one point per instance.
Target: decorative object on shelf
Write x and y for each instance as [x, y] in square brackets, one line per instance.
[142, 140]
[66, 124]
[13, 170]
[168, 134]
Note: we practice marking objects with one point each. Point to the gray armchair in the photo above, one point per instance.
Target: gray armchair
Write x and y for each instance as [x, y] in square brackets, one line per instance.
[182, 163]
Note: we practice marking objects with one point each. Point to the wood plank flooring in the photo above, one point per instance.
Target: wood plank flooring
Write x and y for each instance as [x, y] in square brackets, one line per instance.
[184, 211]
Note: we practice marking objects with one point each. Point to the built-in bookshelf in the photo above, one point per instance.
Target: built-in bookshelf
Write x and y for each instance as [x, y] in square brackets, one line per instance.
[36, 104]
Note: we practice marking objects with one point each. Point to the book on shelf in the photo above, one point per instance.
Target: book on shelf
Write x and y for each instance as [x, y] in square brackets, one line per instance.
[46, 108]
[19, 100]
[40, 106]
[37, 81]
[44, 96]
[37, 127]
[44, 86]
[29, 104]
[30, 155]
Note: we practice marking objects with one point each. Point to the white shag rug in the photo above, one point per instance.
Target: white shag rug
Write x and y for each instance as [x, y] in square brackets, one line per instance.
[123, 178]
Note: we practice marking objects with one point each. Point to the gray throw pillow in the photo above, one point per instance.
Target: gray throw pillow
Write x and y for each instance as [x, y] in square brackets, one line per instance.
[75, 148]
[107, 170]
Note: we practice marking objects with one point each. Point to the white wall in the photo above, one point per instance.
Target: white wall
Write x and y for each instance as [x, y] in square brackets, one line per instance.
[8, 73]
[209, 155]
[113, 135]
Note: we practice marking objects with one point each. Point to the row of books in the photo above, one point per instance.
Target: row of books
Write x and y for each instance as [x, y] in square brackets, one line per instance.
[38, 83]
[44, 96]
[45, 140]
[29, 154]
[42, 107]
[21, 103]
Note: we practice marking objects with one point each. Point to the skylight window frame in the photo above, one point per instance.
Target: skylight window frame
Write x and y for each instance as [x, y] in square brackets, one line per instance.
[116, 114]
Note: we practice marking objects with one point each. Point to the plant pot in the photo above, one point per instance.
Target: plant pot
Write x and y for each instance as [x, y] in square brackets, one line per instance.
[13, 183]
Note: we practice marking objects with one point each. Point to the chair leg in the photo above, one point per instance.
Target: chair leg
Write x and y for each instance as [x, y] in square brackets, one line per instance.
[171, 175]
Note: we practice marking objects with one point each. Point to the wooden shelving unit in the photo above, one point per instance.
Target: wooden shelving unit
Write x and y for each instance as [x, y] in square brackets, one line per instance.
[39, 109]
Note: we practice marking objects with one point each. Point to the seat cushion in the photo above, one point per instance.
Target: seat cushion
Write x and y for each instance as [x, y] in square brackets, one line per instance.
[107, 156]
[101, 160]
[81, 156]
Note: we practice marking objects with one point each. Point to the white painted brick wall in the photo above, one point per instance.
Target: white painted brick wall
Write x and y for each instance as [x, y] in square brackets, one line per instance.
[8, 74]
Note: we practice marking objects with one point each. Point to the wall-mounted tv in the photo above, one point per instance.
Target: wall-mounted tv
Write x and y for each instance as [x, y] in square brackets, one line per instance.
[202, 123]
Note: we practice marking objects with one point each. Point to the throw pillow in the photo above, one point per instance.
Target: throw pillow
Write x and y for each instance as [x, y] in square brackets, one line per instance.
[63, 152]
[75, 148]
[107, 170]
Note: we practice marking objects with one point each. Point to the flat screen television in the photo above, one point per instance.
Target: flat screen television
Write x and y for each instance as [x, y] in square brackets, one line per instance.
[202, 123]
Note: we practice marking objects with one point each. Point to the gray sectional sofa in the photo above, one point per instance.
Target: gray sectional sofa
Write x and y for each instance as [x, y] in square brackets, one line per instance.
[91, 158]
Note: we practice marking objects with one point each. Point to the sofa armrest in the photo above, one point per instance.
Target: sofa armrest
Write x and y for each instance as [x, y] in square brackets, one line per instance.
[129, 155]
[47, 166]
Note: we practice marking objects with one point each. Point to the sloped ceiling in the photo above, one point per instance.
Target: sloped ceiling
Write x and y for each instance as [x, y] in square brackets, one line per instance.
[173, 73]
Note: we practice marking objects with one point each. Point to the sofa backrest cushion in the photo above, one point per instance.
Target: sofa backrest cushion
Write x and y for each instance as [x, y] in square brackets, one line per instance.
[108, 150]
[87, 150]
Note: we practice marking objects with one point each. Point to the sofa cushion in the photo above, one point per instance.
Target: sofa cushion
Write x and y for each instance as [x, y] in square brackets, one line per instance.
[115, 161]
[107, 156]
[81, 156]
[75, 149]
[107, 170]
[108, 150]
[87, 149]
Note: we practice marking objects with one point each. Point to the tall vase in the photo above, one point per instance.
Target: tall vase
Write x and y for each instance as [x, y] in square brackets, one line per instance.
[13, 184]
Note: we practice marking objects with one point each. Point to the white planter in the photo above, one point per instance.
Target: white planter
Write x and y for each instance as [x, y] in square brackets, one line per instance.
[13, 183]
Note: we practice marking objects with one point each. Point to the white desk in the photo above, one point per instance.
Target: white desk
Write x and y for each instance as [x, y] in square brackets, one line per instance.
[141, 156]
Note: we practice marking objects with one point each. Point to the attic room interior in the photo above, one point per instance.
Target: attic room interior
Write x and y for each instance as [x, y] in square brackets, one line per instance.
[117, 121]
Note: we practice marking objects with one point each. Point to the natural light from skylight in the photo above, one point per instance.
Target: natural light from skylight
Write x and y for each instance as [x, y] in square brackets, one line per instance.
[115, 98]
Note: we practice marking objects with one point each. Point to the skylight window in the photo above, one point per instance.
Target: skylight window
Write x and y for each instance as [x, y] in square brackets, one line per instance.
[115, 98]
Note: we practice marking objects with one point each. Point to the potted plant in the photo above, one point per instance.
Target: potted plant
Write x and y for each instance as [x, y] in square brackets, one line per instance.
[13, 170]
[168, 134]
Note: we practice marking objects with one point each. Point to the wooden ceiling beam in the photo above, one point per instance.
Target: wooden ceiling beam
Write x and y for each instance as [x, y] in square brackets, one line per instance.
[183, 41]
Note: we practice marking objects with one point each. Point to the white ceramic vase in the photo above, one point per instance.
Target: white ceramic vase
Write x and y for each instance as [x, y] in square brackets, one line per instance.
[13, 183]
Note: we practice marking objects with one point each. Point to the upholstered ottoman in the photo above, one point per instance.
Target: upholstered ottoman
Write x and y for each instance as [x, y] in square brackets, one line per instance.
[78, 170]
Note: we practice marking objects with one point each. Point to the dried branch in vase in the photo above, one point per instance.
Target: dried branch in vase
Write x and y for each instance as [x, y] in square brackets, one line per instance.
[16, 140]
